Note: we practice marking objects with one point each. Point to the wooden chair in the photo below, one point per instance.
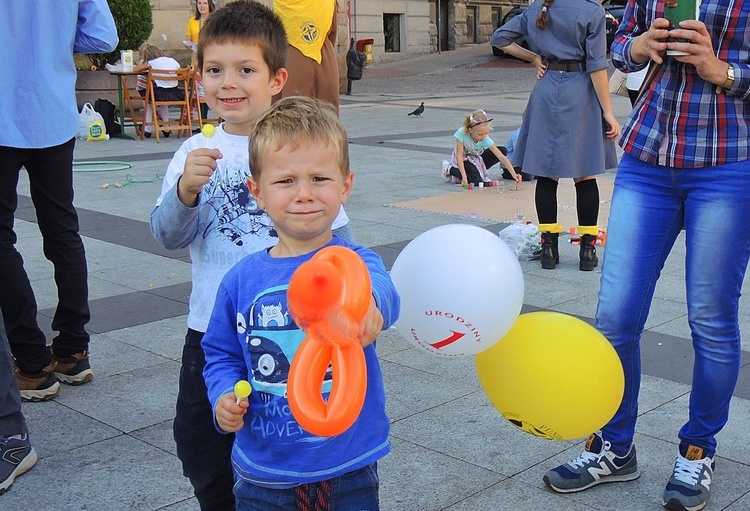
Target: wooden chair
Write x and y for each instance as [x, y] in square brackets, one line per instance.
[133, 101]
[196, 101]
[182, 124]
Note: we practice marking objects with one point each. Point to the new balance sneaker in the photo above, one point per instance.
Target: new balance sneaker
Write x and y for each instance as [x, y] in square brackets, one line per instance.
[687, 489]
[16, 457]
[73, 370]
[40, 386]
[597, 464]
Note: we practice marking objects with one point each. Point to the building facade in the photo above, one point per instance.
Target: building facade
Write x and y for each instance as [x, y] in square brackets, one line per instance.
[396, 27]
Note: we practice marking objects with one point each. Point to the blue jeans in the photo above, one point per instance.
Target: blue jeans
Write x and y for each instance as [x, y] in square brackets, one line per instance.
[353, 491]
[650, 205]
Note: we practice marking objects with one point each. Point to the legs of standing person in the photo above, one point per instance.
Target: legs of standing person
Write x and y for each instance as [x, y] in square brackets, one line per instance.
[51, 184]
[645, 218]
[51, 179]
[11, 418]
[587, 205]
[649, 207]
[204, 452]
[717, 225]
[17, 301]
[545, 198]
[354, 491]
[16, 454]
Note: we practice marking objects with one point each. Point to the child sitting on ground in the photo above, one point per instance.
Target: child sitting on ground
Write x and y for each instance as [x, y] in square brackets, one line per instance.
[299, 164]
[152, 57]
[475, 152]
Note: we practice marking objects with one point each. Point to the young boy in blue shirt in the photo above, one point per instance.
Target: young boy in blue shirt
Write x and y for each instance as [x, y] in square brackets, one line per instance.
[300, 175]
[205, 205]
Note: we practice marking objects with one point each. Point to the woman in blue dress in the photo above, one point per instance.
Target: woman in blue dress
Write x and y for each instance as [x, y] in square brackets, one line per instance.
[568, 127]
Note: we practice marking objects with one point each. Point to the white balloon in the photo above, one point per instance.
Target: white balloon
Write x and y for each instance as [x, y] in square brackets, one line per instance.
[461, 290]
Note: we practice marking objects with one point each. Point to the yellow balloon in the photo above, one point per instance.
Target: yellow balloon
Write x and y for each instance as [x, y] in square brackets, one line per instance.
[553, 376]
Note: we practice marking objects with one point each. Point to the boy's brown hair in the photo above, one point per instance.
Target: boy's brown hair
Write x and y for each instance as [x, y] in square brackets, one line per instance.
[245, 21]
[294, 120]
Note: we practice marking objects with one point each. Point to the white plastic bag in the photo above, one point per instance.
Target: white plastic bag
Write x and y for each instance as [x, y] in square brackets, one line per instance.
[523, 239]
[91, 124]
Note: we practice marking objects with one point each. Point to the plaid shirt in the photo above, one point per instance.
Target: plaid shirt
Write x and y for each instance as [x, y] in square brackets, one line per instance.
[681, 121]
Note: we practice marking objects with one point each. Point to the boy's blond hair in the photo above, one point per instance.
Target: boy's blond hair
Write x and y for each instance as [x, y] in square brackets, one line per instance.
[294, 120]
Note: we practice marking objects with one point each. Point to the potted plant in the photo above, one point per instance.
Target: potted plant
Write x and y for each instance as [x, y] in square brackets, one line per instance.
[134, 21]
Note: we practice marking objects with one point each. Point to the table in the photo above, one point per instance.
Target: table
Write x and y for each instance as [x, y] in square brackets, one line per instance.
[122, 85]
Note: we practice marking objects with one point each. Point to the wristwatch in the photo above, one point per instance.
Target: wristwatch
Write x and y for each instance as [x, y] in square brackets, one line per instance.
[730, 80]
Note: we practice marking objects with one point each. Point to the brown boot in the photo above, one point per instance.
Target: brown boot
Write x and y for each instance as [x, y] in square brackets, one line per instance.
[40, 386]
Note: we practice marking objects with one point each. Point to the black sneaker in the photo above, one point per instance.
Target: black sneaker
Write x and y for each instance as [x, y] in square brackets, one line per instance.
[73, 370]
[40, 386]
[16, 457]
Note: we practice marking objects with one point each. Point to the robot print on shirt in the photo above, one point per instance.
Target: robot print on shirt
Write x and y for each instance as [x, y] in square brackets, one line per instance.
[234, 212]
[272, 339]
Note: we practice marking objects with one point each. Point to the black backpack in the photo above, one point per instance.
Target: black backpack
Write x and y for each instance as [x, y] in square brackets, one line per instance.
[107, 110]
[355, 61]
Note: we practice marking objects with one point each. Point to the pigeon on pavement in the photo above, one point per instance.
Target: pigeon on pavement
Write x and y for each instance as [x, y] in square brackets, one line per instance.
[418, 112]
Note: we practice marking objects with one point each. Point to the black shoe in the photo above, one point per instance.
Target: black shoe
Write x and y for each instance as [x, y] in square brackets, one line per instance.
[147, 134]
[550, 253]
[587, 253]
[166, 134]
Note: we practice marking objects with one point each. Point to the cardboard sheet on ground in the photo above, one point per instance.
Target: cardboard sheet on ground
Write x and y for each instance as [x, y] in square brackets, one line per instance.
[503, 207]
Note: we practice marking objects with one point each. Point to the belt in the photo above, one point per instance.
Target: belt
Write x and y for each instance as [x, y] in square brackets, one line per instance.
[566, 66]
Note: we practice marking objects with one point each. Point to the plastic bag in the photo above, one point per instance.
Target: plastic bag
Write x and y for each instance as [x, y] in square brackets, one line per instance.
[617, 83]
[91, 124]
[524, 240]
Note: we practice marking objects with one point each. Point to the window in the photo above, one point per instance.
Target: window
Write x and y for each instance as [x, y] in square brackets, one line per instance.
[392, 32]
[471, 25]
[496, 17]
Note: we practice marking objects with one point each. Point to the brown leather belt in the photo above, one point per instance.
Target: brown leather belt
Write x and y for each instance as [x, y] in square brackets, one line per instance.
[566, 66]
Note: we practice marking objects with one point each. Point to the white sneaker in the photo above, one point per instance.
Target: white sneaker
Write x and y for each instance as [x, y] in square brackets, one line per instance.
[445, 170]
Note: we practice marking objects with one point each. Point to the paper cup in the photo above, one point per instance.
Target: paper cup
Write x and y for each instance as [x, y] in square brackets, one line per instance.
[677, 11]
[126, 57]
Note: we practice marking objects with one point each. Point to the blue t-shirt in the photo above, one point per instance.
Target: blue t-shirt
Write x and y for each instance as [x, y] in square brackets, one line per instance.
[252, 336]
[471, 147]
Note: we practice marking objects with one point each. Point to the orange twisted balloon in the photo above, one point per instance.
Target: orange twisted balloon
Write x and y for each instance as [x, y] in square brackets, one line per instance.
[329, 297]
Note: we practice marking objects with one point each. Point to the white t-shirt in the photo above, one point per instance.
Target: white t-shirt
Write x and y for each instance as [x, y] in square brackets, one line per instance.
[224, 227]
[168, 64]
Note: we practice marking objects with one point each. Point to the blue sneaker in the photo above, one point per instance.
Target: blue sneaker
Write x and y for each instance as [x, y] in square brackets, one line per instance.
[688, 488]
[597, 464]
[16, 457]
